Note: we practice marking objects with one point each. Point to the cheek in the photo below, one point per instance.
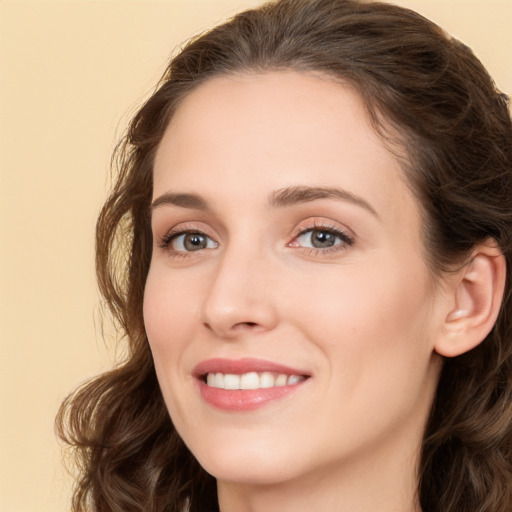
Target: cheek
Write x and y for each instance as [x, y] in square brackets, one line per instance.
[168, 318]
[375, 342]
[373, 328]
[353, 302]
[168, 314]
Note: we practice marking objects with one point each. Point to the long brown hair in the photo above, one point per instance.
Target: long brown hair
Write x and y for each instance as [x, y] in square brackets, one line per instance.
[456, 131]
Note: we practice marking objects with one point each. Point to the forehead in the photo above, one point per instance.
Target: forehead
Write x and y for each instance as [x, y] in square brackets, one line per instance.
[274, 109]
[273, 130]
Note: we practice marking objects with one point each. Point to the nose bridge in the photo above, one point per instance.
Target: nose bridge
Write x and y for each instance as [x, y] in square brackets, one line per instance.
[239, 297]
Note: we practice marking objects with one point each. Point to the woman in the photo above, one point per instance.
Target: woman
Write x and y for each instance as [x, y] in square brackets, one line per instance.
[315, 205]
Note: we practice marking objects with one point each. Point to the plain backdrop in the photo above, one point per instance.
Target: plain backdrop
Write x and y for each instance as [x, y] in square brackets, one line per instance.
[71, 75]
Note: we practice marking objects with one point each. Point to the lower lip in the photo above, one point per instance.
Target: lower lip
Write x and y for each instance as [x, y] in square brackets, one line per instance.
[244, 399]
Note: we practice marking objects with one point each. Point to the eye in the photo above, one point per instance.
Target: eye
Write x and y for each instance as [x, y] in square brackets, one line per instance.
[319, 239]
[189, 242]
[322, 239]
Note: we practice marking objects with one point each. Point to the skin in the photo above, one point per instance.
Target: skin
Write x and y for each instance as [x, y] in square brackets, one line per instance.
[361, 318]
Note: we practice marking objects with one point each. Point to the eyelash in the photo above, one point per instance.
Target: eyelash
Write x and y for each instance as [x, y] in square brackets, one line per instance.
[173, 234]
[346, 240]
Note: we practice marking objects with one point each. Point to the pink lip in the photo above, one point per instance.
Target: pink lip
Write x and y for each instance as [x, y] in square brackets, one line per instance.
[239, 400]
[240, 366]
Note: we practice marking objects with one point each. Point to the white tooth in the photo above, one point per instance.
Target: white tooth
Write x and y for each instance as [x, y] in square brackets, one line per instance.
[281, 379]
[294, 379]
[267, 380]
[231, 381]
[210, 380]
[250, 381]
[219, 380]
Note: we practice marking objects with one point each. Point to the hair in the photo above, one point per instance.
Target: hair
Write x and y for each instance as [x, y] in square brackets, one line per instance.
[425, 93]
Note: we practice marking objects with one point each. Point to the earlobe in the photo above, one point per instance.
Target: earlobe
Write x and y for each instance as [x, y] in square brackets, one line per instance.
[477, 297]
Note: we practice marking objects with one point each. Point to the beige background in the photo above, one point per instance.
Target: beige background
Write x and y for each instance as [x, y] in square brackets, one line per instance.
[71, 74]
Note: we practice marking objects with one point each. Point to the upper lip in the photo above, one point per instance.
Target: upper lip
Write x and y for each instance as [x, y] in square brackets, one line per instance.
[241, 366]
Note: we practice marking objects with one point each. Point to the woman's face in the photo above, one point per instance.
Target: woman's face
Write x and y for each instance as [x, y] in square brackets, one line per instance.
[287, 261]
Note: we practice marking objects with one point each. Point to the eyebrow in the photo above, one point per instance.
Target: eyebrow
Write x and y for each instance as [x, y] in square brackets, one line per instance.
[296, 195]
[192, 201]
[281, 198]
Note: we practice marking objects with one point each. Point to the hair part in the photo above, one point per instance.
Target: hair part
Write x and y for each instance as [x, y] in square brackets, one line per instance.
[436, 107]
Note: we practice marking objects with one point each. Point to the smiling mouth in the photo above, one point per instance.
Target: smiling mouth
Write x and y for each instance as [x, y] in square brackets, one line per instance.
[239, 385]
[251, 380]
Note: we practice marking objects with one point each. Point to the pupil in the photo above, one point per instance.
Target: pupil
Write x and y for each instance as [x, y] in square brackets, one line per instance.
[194, 241]
[322, 239]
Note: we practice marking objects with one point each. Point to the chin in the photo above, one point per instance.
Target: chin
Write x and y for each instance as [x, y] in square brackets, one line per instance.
[257, 465]
[249, 473]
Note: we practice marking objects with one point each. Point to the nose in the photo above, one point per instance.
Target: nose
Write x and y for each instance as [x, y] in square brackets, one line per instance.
[241, 296]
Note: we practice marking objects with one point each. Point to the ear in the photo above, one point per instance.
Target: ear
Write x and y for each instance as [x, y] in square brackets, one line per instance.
[477, 295]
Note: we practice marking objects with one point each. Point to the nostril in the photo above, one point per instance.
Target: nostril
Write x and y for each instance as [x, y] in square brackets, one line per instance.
[245, 325]
[239, 327]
